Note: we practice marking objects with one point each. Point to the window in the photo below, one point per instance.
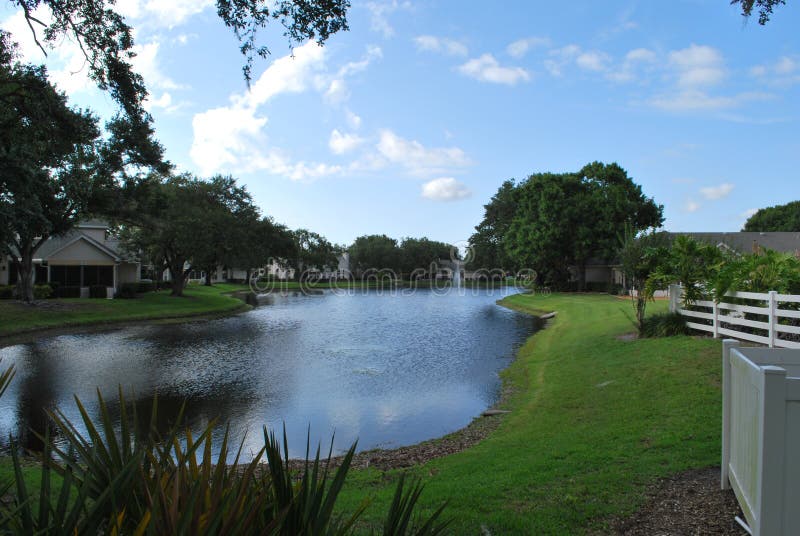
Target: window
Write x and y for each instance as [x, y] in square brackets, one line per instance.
[66, 276]
[98, 275]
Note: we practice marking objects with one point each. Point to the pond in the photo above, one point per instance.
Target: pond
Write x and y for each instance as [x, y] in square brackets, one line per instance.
[388, 369]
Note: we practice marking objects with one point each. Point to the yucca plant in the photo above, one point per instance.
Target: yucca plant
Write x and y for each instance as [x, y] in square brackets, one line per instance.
[400, 519]
[115, 481]
[308, 501]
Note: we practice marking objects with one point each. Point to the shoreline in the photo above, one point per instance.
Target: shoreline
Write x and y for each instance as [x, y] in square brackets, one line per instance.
[28, 335]
[459, 440]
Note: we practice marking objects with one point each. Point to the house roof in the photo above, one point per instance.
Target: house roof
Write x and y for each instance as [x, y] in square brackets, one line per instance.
[56, 244]
[746, 242]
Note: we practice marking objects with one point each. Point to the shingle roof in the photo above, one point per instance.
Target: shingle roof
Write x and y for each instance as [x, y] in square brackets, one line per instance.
[746, 242]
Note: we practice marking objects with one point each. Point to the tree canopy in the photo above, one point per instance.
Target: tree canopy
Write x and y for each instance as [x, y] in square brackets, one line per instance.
[778, 218]
[106, 39]
[50, 172]
[764, 8]
[555, 223]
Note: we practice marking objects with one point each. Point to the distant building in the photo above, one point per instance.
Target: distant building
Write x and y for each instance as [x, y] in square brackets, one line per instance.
[84, 257]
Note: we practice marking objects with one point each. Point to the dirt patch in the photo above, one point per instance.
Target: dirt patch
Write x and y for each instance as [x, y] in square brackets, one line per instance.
[689, 503]
[627, 337]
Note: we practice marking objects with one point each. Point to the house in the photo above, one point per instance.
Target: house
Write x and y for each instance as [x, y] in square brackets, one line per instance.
[740, 242]
[84, 257]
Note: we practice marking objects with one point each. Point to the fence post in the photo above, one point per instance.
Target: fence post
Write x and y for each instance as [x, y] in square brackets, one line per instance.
[715, 310]
[772, 451]
[727, 344]
[674, 298]
[772, 304]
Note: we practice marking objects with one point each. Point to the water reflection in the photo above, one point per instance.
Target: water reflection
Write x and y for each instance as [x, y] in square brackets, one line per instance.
[388, 370]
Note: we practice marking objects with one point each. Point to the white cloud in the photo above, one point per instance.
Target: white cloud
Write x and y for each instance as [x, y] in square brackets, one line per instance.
[445, 189]
[520, 47]
[640, 55]
[442, 45]
[714, 193]
[231, 138]
[696, 100]
[698, 66]
[337, 91]
[343, 143]
[418, 159]
[749, 213]
[67, 66]
[352, 119]
[636, 60]
[379, 15]
[146, 64]
[487, 69]
[560, 57]
[691, 206]
[593, 61]
[289, 74]
[160, 13]
[783, 72]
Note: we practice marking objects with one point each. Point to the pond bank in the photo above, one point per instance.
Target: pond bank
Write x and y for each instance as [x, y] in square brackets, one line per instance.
[594, 423]
[21, 322]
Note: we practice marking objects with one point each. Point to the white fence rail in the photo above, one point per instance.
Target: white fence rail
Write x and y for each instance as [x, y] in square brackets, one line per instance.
[761, 436]
[725, 318]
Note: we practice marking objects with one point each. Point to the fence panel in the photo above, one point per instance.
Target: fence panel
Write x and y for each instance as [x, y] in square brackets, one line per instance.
[726, 318]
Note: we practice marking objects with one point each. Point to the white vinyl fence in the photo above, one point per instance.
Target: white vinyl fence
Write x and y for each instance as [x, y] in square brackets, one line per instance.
[727, 318]
[761, 436]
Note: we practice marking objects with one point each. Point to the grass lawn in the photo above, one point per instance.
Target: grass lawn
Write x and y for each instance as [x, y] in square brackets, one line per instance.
[16, 318]
[594, 420]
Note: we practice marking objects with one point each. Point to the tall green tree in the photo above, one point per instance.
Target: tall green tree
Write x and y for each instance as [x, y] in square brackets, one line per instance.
[312, 250]
[378, 252]
[49, 170]
[228, 214]
[641, 256]
[417, 254]
[487, 243]
[564, 220]
[778, 218]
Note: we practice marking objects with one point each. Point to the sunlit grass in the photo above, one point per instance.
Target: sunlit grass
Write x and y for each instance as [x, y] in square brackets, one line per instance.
[594, 420]
[17, 317]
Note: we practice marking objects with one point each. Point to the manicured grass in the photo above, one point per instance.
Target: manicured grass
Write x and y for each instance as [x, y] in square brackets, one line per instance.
[594, 420]
[18, 318]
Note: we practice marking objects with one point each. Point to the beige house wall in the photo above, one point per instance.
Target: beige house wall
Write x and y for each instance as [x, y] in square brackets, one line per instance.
[81, 252]
[127, 273]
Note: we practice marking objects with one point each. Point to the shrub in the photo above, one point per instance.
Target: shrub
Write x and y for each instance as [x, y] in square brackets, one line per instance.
[6, 292]
[68, 292]
[128, 290]
[98, 291]
[118, 481]
[146, 285]
[42, 292]
[664, 325]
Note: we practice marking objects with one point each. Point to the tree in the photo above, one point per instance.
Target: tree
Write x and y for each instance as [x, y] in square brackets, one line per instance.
[563, 220]
[228, 213]
[765, 8]
[49, 168]
[695, 265]
[378, 252]
[312, 250]
[778, 218]
[106, 40]
[488, 247]
[261, 242]
[420, 253]
[641, 256]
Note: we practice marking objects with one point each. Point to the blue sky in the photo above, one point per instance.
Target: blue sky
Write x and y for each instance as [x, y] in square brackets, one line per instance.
[408, 123]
